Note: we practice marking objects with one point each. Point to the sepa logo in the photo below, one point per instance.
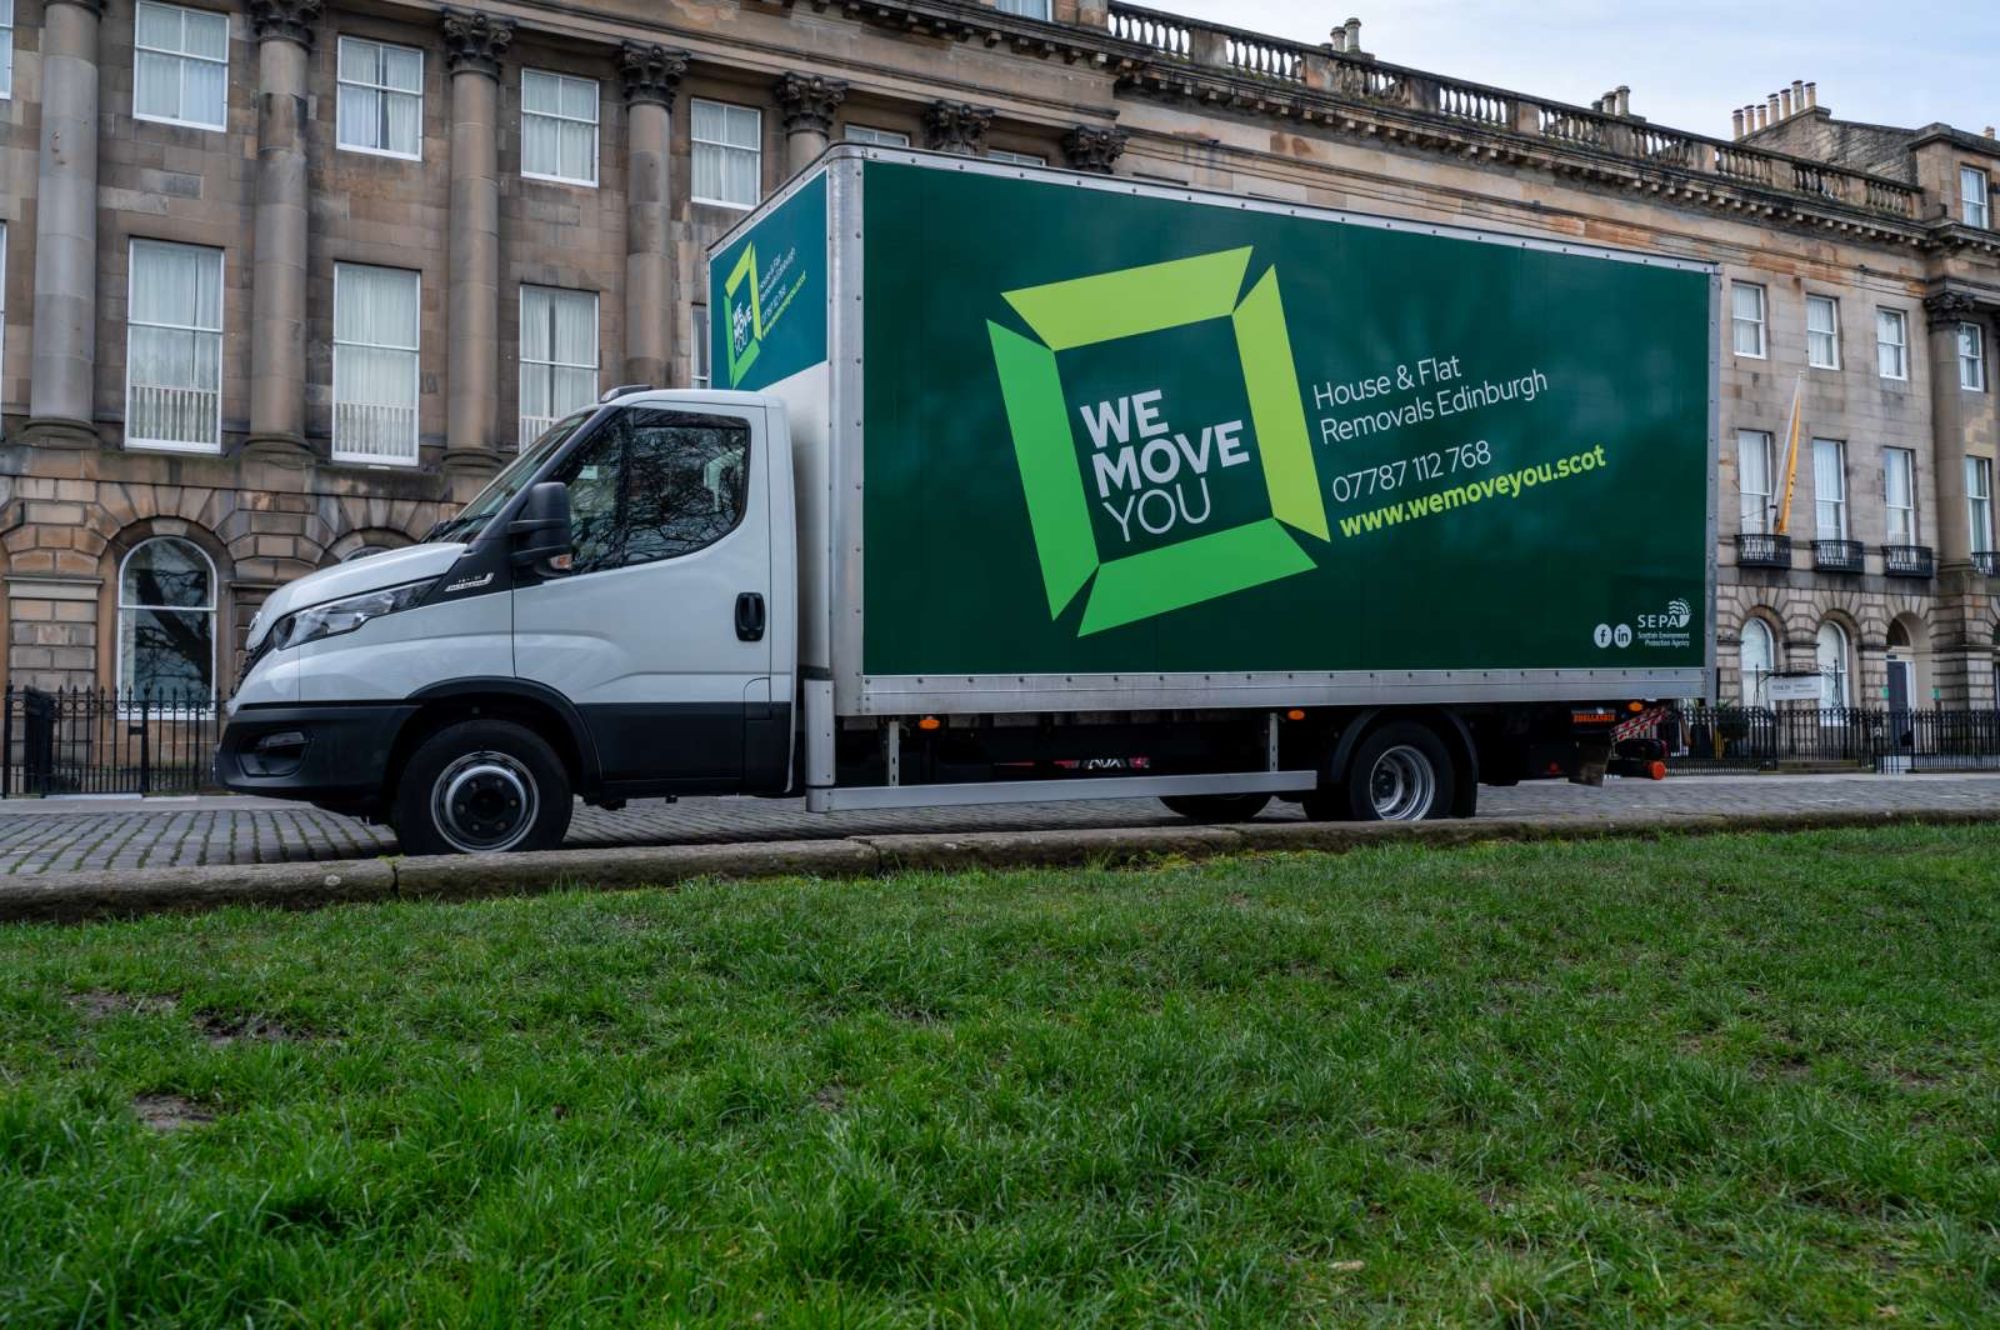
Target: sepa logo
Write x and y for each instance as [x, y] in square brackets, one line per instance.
[746, 315]
[1678, 615]
[1151, 511]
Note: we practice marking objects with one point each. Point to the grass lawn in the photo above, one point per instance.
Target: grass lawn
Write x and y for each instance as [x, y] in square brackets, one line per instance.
[1750, 1080]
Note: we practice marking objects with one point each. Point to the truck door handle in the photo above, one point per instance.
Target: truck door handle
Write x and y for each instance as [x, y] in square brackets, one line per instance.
[750, 617]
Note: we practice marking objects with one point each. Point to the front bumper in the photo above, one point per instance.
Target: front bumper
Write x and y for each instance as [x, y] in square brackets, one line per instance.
[326, 754]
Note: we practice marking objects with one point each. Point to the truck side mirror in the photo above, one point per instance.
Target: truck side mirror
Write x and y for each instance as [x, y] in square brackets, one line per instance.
[540, 530]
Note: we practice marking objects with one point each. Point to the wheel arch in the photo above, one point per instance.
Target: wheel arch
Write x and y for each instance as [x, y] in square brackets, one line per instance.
[537, 706]
[1447, 725]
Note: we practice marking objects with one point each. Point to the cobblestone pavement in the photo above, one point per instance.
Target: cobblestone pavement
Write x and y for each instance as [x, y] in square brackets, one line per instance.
[62, 835]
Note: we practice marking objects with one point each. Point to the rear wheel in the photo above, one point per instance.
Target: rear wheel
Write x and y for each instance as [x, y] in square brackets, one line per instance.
[1216, 807]
[482, 787]
[1399, 773]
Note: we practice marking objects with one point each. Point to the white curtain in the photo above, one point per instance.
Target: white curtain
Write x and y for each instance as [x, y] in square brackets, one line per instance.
[558, 351]
[727, 155]
[1979, 502]
[381, 96]
[1831, 651]
[181, 71]
[1753, 455]
[558, 126]
[1829, 490]
[173, 369]
[1896, 485]
[1757, 657]
[6, 48]
[375, 331]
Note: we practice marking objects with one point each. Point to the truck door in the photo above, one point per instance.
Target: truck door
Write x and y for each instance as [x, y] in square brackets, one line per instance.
[659, 633]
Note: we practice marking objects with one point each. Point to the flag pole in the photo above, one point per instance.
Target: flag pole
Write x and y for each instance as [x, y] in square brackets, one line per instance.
[1792, 454]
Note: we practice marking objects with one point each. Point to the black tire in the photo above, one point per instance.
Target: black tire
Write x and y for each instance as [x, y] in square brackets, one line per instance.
[1217, 807]
[482, 787]
[1380, 783]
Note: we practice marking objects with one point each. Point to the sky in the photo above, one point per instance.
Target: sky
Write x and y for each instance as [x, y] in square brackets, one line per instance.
[1689, 62]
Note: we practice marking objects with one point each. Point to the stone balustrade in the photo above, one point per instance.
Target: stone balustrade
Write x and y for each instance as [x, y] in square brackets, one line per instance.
[1351, 75]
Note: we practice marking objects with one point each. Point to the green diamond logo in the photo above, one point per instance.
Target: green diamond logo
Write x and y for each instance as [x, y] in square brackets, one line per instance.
[746, 316]
[1132, 302]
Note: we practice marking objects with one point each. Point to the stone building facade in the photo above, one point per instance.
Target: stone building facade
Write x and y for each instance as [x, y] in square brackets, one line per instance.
[286, 280]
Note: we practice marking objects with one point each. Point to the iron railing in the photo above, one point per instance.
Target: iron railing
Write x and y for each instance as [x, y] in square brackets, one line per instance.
[1697, 739]
[1908, 561]
[1840, 556]
[1986, 563]
[94, 741]
[1758, 549]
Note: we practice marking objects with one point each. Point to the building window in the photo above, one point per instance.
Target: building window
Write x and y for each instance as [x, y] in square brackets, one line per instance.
[173, 347]
[1899, 491]
[558, 127]
[1753, 473]
[1746, 316]
[381, 98]
[1822, 332]
[881, 138]
[1972, 357]
[180, 69]
[3, 292]
[699, 334]
[1016, 158]
[1026, 8]
[1892, 344]
[1975, 197]
[166, 624]
[1758, 652]
[1831, 649]
[6, 48]
[728, 154]
[558, 356]
[375, 332]
[1829, 489]
[1979, 502]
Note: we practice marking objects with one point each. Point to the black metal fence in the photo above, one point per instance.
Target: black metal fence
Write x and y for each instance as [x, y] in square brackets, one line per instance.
[1702, 739]
[92, 741]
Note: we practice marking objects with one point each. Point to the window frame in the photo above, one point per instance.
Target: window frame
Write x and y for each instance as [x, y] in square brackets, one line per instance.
[1839, 448]
[1982, 196]
[1762, 323]
[1979, 503]
[342, 82]
[133, 246]
[6, 50]
[1767, 511]
[1977, 360]
[709, 418]
[416, 354]
[1839, 681]
[1008, 157]
[122, 686]
[1900, 321]
[218, 126]
[1908, 458]
[596, 367]
[596, 123]
[1045, 8]
[1831, 304]
[882, 138]
[1756, 688]
[696, 143]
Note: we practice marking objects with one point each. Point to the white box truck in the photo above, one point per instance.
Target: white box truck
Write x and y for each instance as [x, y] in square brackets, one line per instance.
[1024, 485]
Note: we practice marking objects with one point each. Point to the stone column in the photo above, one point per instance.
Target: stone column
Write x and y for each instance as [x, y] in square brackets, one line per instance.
[957, 127]
[1093, 148]
[807, 103]
[473, 44]
[63, 386]
[651, 75]
[278, 257]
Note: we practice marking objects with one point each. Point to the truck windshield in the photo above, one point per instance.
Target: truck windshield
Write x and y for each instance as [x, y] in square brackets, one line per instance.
[471, 520]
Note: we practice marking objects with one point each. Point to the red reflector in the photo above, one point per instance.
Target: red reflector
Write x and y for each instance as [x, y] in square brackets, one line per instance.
[1658, 771]
[1555, 768]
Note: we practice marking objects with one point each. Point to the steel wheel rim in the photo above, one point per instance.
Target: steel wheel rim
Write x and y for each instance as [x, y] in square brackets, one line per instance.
[1403, 785]
[484, 803]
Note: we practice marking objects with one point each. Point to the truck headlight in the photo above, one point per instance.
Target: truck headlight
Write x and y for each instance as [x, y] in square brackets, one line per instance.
[343, 616]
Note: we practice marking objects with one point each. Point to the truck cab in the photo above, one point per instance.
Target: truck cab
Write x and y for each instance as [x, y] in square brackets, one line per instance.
[613, 617]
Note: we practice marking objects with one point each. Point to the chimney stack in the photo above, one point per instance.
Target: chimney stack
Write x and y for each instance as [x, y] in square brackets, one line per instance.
[1624, 99]
[1354, 35]
[1337, 40]
[1736, 122]
[1784, 103]
[1771, 115]
[1812, 95]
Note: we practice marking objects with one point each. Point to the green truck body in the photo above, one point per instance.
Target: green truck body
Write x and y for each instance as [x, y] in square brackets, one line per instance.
[1071, 443]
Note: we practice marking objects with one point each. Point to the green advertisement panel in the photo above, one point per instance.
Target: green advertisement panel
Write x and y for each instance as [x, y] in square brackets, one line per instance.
[1117, 434]
[767, 296]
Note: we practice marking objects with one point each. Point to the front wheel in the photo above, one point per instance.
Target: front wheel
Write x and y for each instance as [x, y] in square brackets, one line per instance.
[1216, 807]
[482, 787]
[1399, 773]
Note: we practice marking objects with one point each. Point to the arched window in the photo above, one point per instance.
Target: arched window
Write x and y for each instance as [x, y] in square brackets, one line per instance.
[1759, 651]
[166, 623]
[1833, 666]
